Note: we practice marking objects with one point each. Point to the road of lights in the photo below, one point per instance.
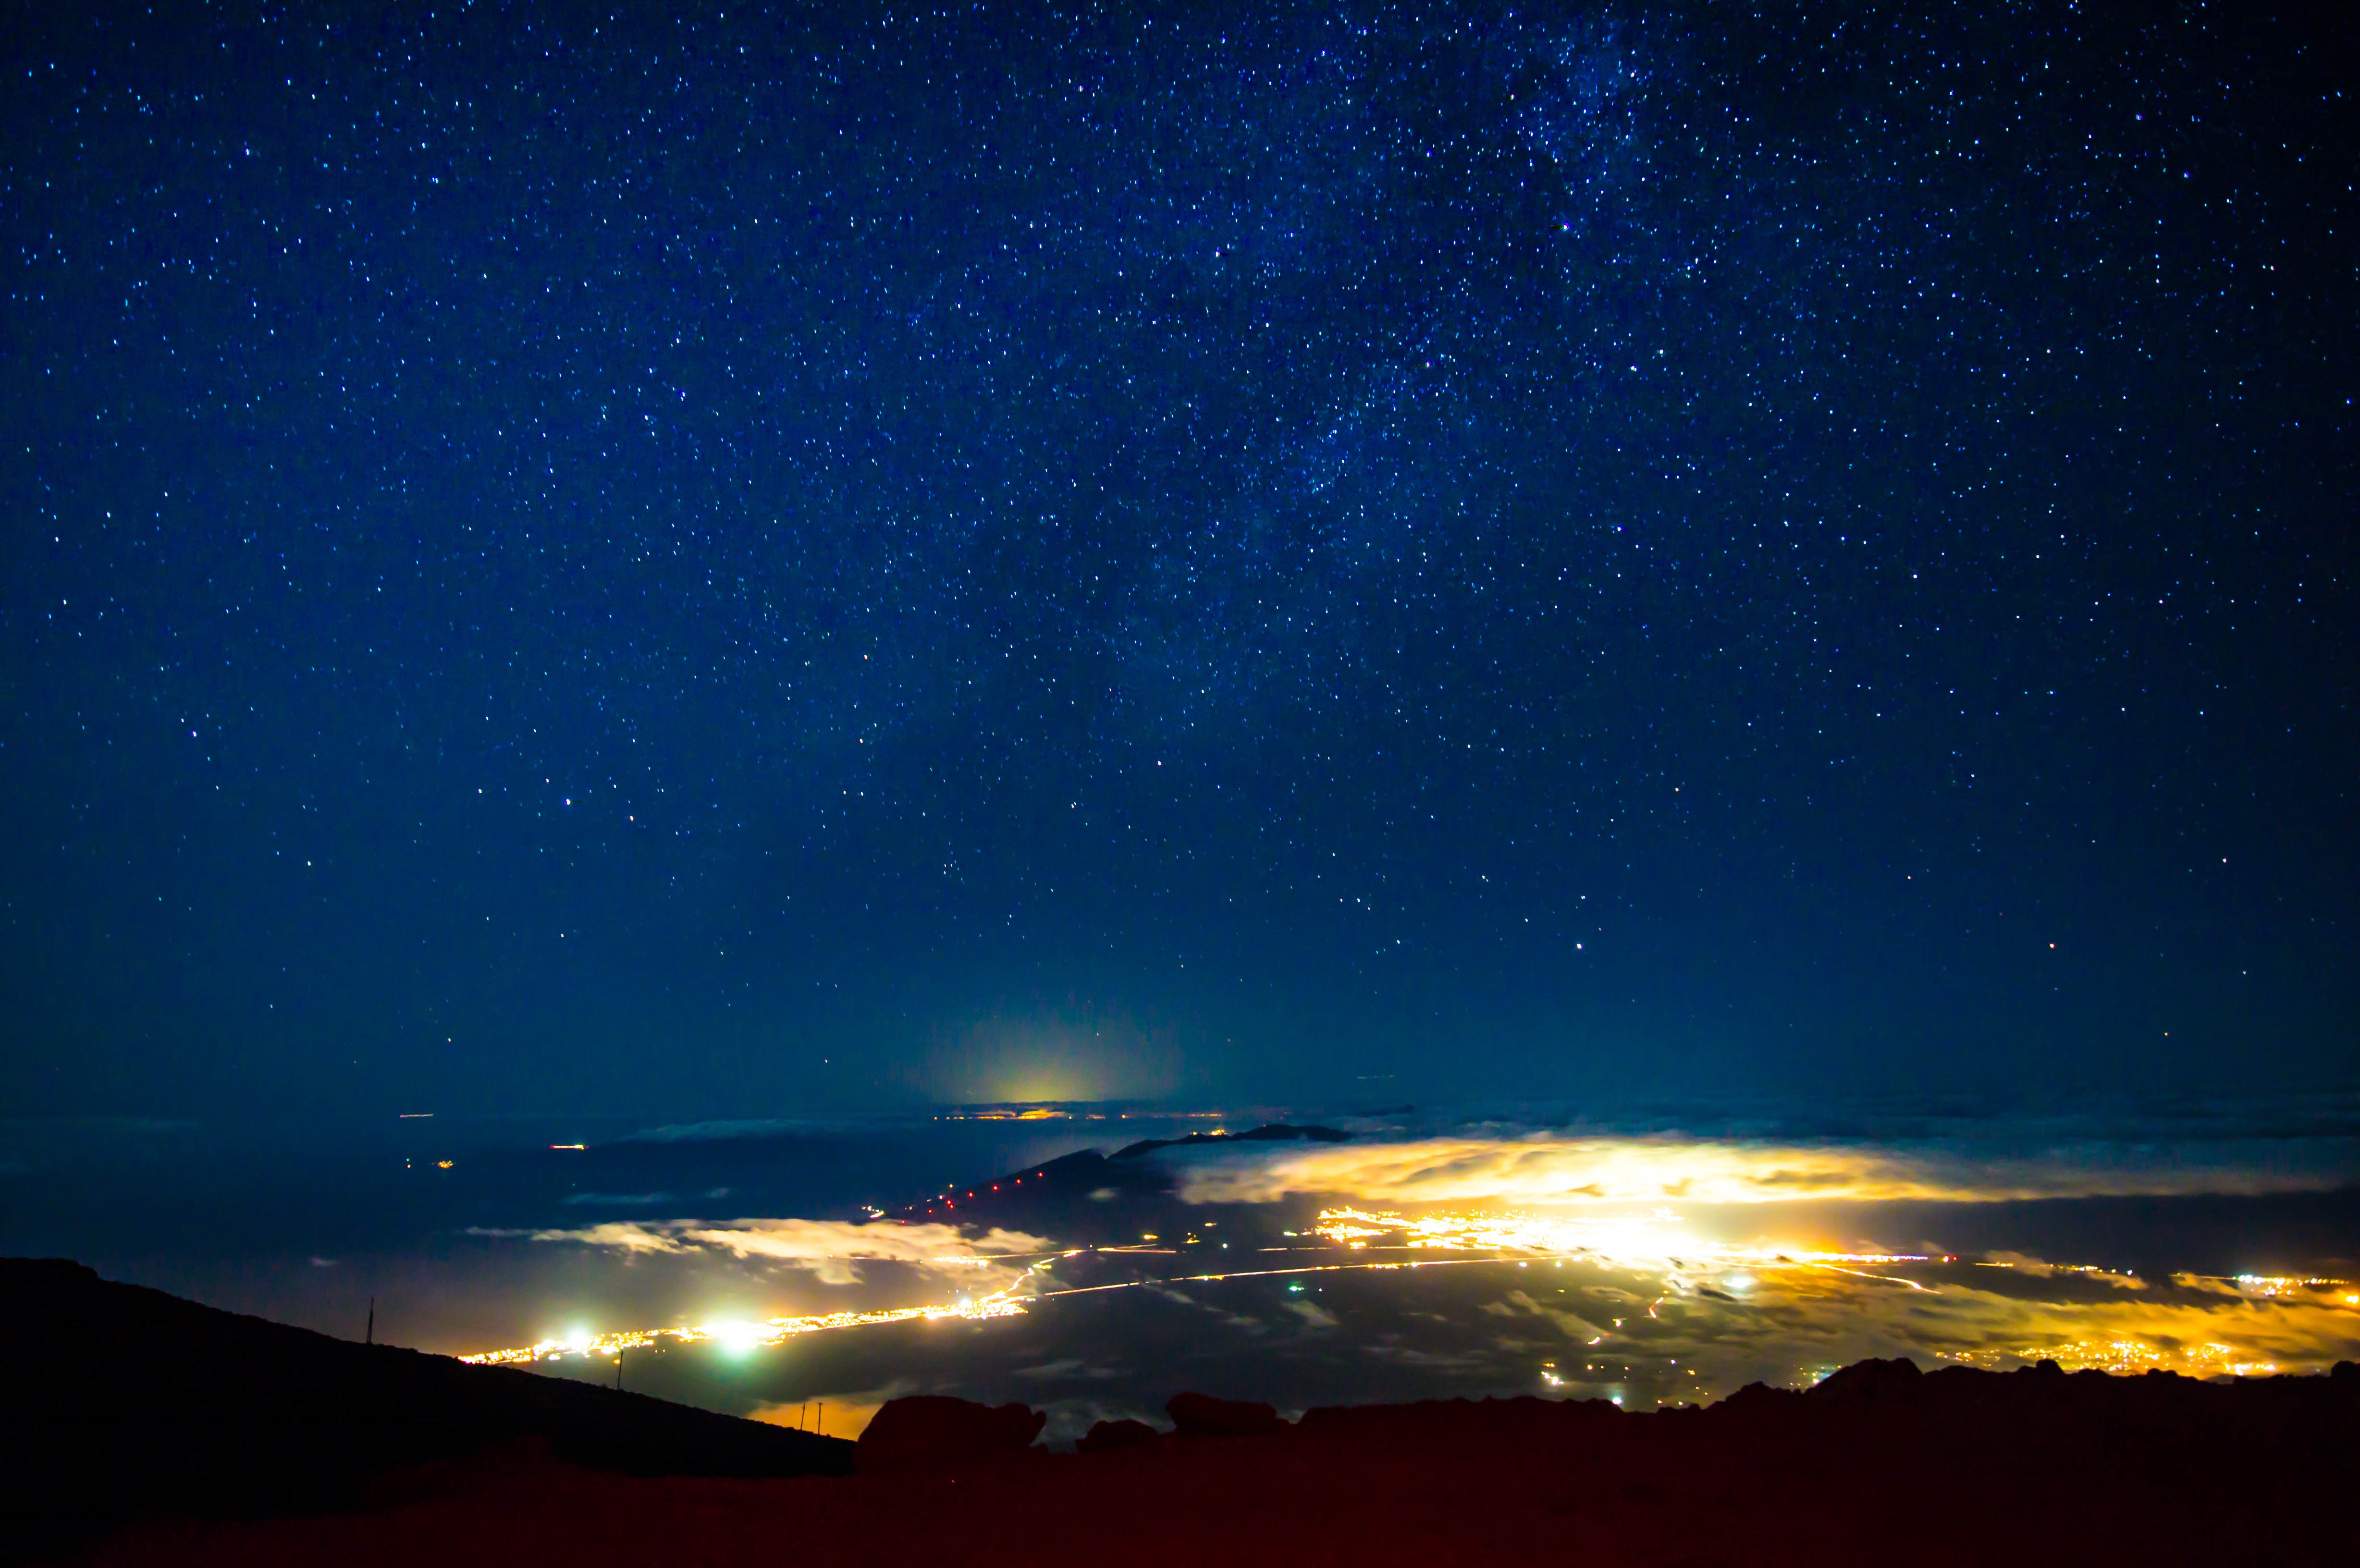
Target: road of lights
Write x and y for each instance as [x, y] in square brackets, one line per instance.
[742, 1336]
[2283, 1288]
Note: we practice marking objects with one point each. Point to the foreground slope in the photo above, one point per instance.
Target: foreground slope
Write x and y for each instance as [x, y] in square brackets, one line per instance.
[1880, 1464]
[122, 1403]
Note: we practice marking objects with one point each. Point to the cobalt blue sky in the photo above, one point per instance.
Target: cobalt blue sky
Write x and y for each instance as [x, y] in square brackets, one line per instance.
[623, 561]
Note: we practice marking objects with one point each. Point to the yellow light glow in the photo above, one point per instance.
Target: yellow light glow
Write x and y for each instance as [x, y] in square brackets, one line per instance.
[2127, 1355]
[1651, 1240]
[1712, 1304]
[738, 1338]
[1589, 1170]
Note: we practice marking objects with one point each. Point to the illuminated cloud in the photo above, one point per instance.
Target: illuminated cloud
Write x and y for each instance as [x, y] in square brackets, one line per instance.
[1553, 1169]
[1835, 1317]
[830, 1248]
[619, 1235]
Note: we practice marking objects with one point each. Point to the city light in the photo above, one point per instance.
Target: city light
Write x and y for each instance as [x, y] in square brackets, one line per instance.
[739, 1338]
[2125, 1355]
[1653, 1240]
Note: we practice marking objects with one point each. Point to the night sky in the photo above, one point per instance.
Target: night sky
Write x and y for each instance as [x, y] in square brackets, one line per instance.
[737, 566]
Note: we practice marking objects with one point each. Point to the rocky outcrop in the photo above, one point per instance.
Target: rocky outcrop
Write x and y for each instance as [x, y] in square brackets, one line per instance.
[1201, 1415]
[1110, 1436]
[934, 1428]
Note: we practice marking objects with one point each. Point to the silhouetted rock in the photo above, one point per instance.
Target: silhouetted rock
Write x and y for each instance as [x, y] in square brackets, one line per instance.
[1964, 1468]
[1201, 1415]
[1759, 1397]
[1871, 1381]
[930, 1429]
[1107, 1436]
[1423, 1421]
[123, 1403]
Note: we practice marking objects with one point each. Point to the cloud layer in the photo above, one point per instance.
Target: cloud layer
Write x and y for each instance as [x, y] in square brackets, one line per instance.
[830, 1248]
[1551, 1168]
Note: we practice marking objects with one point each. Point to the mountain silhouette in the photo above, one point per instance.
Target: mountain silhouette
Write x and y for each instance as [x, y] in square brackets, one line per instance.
[123, 1403]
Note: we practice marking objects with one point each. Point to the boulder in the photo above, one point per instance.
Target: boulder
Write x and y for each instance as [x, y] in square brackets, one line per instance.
[1108, 1436]
[929, 1428]
[1201, 1415]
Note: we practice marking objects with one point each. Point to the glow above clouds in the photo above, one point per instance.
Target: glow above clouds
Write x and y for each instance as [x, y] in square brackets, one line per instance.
[1554, 1169]
[830, 1248]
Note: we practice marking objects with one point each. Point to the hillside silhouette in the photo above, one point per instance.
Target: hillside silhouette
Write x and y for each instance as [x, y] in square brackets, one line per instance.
[125, 1403]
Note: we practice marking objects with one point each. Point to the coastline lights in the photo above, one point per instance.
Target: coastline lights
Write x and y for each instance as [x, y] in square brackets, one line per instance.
[2124, 1356]
[739, 1338]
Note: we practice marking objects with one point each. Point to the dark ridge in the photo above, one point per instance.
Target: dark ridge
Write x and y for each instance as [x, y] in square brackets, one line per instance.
[125, 1403]
[1089, 1170]
[1271, 1132]
[1057, 1190]
[1089, 1196]
[1881, 1463]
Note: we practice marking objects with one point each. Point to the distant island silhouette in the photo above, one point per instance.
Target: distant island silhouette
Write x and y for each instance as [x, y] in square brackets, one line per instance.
[1089, 1194]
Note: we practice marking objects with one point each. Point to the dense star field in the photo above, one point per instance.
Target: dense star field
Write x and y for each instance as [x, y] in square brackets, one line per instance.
[676, 563]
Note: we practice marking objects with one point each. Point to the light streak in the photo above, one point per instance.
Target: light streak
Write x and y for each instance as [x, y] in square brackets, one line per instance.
[2282, 1288]
[1002, 1303]
[747, 1336]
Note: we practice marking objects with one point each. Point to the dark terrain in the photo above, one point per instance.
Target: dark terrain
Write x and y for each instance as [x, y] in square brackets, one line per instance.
[123, 1403]
[153, 1408]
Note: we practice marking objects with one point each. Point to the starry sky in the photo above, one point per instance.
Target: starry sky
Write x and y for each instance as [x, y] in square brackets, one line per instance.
[721, 564]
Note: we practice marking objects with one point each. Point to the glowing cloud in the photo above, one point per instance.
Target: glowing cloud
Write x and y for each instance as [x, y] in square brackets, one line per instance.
[830, 1248]
[1557, 1169]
